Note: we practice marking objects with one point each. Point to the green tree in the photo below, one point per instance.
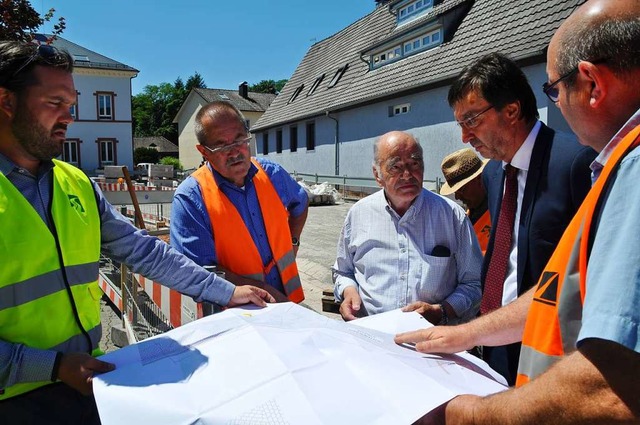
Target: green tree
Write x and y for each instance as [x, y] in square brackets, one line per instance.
[169, 160]
[19, 21]
[268, 86]
[154, 109]
[195, 82]
[149, 155]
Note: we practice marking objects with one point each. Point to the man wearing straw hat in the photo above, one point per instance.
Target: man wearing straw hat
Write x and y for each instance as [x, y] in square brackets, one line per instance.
[462, 171]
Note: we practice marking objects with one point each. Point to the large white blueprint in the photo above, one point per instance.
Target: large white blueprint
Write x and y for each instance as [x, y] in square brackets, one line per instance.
[283, 364]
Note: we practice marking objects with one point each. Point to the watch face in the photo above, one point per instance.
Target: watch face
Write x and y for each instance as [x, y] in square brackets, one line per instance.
[295, 241]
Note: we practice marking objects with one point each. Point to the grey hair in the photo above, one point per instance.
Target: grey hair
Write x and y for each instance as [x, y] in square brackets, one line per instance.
[211, 110]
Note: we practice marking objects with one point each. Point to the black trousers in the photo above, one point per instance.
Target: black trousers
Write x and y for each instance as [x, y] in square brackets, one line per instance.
[55, 404]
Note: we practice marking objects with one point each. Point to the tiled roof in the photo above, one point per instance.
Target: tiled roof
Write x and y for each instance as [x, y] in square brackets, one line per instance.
[95, 60]
[254, 102]
[159, 142]
[521, 29]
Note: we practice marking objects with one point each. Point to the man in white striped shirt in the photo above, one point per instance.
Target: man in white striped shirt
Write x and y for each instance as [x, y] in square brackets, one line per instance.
[406, 247]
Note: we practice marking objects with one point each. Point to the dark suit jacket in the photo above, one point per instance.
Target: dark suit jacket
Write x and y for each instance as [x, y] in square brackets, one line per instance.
[557, 181]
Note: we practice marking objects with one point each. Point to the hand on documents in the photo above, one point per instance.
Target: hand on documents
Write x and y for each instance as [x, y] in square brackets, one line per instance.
[77, 369]
[438, 339]
[280, 364]
[250, 294]
[431, 312]
[350, 306]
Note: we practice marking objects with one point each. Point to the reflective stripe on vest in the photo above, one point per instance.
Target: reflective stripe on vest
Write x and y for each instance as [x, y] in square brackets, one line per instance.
[35, 309]
[555, 315]
[482, 229]
[235, 248]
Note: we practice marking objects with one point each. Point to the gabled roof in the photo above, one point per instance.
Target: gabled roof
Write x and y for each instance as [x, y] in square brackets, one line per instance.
[254, 102]
[85, 58]
[521, 29]
[159, 142]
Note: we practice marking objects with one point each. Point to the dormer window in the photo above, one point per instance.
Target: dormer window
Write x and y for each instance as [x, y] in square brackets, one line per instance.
[415, 44]
[411, 10]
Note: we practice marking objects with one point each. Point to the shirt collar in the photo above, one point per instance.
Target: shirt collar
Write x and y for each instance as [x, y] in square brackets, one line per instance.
[7, 166]
[603, 156]
[413, 209]
[522, 157]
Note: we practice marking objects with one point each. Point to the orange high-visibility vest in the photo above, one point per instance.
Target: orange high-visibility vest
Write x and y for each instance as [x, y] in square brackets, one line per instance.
[235, 249]
[482, 228]
[555, 315]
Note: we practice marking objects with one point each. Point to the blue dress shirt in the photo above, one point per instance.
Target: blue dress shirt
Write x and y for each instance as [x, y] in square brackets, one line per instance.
[191, 231]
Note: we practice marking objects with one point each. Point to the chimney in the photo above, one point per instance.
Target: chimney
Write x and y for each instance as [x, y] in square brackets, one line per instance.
[243, 89]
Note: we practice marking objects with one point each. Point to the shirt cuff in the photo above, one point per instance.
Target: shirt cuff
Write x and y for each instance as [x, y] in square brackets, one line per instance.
[341, 284]
[36, 365]
[217, 290]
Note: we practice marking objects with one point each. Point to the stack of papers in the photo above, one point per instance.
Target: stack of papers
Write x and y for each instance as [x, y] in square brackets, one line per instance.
[284, 364]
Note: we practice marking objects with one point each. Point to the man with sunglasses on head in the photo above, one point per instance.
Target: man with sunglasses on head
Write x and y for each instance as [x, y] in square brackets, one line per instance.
[535, 181]
[54, 223]
[243, 215]
[580, 360]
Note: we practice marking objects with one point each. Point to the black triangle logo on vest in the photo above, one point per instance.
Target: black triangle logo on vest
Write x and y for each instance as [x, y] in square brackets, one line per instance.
[549, 286]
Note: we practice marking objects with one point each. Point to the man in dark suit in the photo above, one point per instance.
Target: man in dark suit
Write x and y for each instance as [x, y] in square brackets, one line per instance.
[550, 176]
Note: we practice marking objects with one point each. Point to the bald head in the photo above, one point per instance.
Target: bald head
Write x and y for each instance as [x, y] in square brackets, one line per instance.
[391, 139]
[594, 60]
[398, 168]
[599, 30]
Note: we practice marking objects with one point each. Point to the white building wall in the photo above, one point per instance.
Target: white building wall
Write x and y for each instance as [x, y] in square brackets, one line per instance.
[88, 128]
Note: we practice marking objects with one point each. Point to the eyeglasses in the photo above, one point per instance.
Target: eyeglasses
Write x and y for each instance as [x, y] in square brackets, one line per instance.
[472, 122]
[551, 89]
[46, 52]
[240, 143]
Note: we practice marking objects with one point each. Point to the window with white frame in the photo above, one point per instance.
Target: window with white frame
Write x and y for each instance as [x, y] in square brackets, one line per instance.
[403, 108]
[413, 45]
[107, 152]
[73, 110]
[71, 151]
[414, 9]
[387, 56]
[423, 42]
[105, 106]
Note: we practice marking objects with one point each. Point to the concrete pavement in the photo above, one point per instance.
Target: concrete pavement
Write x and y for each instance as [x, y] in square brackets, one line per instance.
[316, 255]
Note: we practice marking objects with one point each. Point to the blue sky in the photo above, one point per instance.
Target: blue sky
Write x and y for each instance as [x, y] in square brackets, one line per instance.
[227, 42]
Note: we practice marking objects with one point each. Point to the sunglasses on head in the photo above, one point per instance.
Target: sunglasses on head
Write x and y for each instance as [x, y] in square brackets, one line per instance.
[43, 53]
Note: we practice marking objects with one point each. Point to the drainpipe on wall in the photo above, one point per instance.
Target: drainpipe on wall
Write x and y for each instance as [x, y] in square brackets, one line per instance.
[337, 144]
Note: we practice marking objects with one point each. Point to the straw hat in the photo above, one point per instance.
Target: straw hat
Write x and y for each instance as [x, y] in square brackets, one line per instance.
[459, 168]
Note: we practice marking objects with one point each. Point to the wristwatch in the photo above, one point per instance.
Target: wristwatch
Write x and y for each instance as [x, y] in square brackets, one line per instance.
[295, 241]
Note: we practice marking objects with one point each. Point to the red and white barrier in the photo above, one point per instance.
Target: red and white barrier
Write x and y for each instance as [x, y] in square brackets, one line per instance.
[111, 292]
[148, 216]
[179, 309]
[115, 187]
